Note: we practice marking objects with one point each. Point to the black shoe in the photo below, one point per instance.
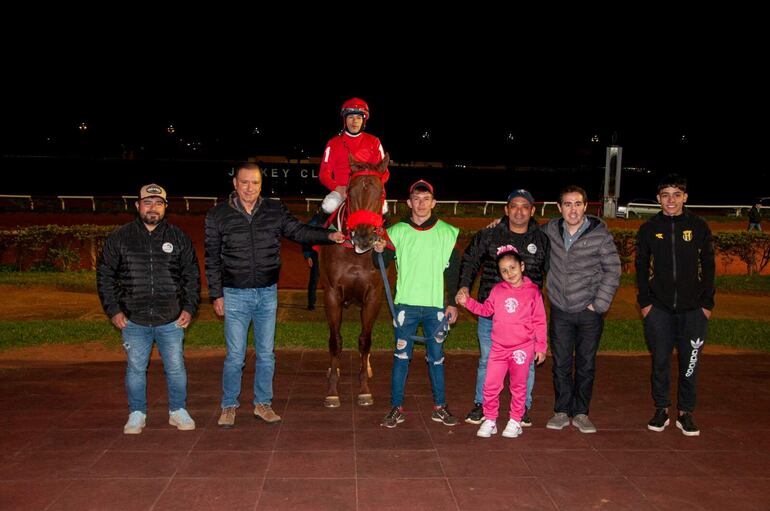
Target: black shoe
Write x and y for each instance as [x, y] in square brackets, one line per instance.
[659, 421]
[311, 307]
[475, 416]
[442, 415]
[525, 420]
[394, 418]
[686, 424]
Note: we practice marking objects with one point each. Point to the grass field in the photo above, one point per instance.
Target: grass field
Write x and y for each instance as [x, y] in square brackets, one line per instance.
[619, 335]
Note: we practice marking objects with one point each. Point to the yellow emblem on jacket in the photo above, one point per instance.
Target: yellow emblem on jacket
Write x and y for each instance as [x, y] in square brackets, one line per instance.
[659, 235]
[687, 235]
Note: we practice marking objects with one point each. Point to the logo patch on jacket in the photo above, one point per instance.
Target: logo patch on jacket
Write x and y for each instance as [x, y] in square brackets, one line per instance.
[687, 235]
[532, 248]
[167, 247]
[511, 304]
[659, 235]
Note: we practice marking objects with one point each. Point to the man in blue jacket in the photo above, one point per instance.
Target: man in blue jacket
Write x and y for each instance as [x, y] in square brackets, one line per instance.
[676, 298]
[149, 285]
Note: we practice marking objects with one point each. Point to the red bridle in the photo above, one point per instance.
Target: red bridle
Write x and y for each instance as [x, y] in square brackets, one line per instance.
[364, 216]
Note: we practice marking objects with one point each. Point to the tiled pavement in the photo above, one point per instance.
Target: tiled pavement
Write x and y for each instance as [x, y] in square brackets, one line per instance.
[62, 445]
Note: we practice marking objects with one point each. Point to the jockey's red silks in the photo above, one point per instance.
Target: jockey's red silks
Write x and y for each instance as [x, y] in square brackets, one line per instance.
[363, 216]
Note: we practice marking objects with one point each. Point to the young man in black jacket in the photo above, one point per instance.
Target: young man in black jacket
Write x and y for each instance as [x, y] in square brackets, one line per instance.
[675, 275]
[149, 285]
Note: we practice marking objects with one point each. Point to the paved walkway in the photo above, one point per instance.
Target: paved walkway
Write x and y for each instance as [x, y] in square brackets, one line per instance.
[62, 445]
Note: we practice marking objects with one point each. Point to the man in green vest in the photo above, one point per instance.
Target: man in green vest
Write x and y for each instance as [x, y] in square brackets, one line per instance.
[428, 263]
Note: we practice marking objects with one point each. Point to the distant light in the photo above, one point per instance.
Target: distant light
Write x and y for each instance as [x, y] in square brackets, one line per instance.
[83, 127]
[170, 129]
[425, 135]
[510, 137]
[595, 139]
[683, 138]
[256, 131]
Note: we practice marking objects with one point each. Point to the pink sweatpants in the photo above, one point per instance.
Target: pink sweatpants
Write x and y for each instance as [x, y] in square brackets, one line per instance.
[515, 362]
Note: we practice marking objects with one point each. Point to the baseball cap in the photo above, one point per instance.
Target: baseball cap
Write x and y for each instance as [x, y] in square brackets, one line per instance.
[521, 192]
[422, 183]
[152, 190]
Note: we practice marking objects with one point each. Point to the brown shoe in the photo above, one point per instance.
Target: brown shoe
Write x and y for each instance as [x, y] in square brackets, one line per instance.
[265, 412]
[227, 419]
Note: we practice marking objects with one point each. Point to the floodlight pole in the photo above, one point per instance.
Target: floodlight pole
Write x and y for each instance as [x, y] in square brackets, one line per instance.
[612, 168]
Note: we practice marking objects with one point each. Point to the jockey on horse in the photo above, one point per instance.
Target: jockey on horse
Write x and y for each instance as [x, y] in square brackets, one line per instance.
[352, 144]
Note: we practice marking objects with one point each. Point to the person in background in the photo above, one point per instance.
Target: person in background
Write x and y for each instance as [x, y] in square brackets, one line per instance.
[311, 258]
[755, 218]
[675, 276]
[583, 276]
[149, 286]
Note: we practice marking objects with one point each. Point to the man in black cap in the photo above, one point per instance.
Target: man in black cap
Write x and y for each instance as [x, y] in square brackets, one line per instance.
[149, 285]
[519, 229]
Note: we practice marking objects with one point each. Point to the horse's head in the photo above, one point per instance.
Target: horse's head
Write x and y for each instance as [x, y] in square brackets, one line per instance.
[365, 203]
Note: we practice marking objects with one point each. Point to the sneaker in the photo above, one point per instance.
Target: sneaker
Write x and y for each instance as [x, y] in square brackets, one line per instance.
[686, 424]
[512, 429]
[475, 416]
[265, 412]
[525, 420]
[583, 423]
[394, 418]
[558, 421]
[227, 419]
[442, 415]
[659, 421]
[135, 424]
[487, 429]
[181, 419]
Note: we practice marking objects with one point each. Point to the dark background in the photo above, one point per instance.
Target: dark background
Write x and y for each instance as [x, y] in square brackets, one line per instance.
[692, 107]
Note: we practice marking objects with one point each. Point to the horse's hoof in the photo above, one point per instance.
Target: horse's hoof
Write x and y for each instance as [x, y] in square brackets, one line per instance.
[365, 400]
[332, 402]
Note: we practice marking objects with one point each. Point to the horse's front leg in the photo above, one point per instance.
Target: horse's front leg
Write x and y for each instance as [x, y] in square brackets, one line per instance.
[333, 302]
[369, 311]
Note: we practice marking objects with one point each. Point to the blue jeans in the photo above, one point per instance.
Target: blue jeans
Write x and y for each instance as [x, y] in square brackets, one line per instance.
[137, 341]
[408, 317]
[484, 332]
[243, 306]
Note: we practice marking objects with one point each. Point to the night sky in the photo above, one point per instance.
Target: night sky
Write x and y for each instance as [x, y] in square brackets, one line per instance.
[680, 113]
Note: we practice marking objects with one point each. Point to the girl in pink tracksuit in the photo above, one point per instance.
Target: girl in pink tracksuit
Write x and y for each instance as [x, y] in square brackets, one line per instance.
[518, 333]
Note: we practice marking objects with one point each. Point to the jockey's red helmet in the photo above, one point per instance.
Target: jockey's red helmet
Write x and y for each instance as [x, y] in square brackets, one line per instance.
[355, 106]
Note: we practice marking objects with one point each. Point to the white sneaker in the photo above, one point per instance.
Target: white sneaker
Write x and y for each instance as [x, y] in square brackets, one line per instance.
[181, 419]
[135, 424]
[487, 429]
[512, 429]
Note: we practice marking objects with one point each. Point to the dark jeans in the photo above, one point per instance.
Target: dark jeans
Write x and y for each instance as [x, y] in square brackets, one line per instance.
[575, 333]
[687, 331]
[312, 283]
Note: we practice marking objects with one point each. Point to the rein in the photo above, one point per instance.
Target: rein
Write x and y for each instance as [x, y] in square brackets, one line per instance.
[443, 328]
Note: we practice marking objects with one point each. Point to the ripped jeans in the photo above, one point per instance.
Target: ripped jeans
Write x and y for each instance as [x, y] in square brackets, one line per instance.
[137, 341]
[408, 317]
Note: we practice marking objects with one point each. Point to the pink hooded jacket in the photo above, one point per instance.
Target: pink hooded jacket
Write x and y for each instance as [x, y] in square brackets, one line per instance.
[519, 315]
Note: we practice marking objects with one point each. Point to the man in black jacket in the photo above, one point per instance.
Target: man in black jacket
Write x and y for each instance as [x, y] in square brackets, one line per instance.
[519, 229]
[149, 285]
[243, 242]
[675, 275]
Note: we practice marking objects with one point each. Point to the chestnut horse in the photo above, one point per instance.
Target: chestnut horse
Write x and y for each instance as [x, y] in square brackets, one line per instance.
[350, 275]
